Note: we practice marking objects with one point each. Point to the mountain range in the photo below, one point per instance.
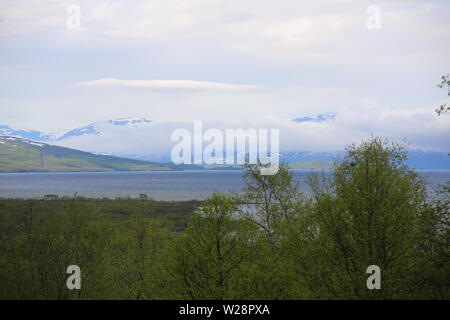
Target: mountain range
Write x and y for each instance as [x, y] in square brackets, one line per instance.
[100, 127]
[106, 137]
[90, 129]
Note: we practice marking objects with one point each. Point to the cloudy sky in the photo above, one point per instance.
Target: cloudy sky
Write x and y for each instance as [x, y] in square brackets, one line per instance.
[229, 60]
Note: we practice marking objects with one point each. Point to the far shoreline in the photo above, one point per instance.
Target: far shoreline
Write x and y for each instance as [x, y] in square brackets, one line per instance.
[185, 170]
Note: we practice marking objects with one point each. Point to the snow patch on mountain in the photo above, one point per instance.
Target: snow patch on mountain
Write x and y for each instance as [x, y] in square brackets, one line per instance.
[98, 128]
[26, 134]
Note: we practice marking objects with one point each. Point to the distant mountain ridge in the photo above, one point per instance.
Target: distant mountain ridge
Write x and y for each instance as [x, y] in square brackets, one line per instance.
[94, 136]
[92, 129]
[21, 155]
[96, 128]
[99, 127]
[25, 134]
[417, 159]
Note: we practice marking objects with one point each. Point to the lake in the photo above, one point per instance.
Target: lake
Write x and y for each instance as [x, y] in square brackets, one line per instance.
[160, 185]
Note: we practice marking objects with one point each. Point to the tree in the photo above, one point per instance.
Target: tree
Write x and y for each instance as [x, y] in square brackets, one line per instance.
[206, 261]
[363, 215]
[134, 250]
[431, 278]
[270, 202]
[445, 84]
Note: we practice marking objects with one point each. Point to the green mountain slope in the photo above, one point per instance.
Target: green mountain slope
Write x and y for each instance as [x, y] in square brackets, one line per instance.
[20, 155]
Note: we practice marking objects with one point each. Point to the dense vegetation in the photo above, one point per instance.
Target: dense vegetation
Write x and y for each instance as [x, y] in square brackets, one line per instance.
[267, 242]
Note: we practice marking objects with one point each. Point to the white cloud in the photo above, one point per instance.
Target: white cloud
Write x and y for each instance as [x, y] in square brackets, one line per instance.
[166, 84]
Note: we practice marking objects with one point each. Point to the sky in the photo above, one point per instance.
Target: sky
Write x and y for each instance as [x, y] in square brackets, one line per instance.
[255, 62]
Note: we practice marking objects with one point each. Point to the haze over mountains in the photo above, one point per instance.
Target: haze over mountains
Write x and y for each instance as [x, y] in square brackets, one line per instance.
[144, 139]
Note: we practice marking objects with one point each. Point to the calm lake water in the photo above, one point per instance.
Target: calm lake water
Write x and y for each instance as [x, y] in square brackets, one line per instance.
[160, 185]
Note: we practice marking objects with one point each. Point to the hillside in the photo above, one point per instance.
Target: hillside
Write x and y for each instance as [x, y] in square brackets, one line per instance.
[21, 155]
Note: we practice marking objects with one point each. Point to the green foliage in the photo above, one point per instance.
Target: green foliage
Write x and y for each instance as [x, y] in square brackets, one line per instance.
[432, 242]
[114, 242]
[267, 242]
[365, 215]
[268, 200]
[271, 203]
[445, 84]
[207, 260]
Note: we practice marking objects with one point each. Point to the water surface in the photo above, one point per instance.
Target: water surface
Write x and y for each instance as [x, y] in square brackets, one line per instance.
[160, 185]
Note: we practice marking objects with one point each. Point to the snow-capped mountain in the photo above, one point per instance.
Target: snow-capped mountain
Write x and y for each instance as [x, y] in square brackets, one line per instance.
[139, 138]
[12, 140]
[26, 134]
[90, 129]
[99, 127]
[316, 118]
[103, 127]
